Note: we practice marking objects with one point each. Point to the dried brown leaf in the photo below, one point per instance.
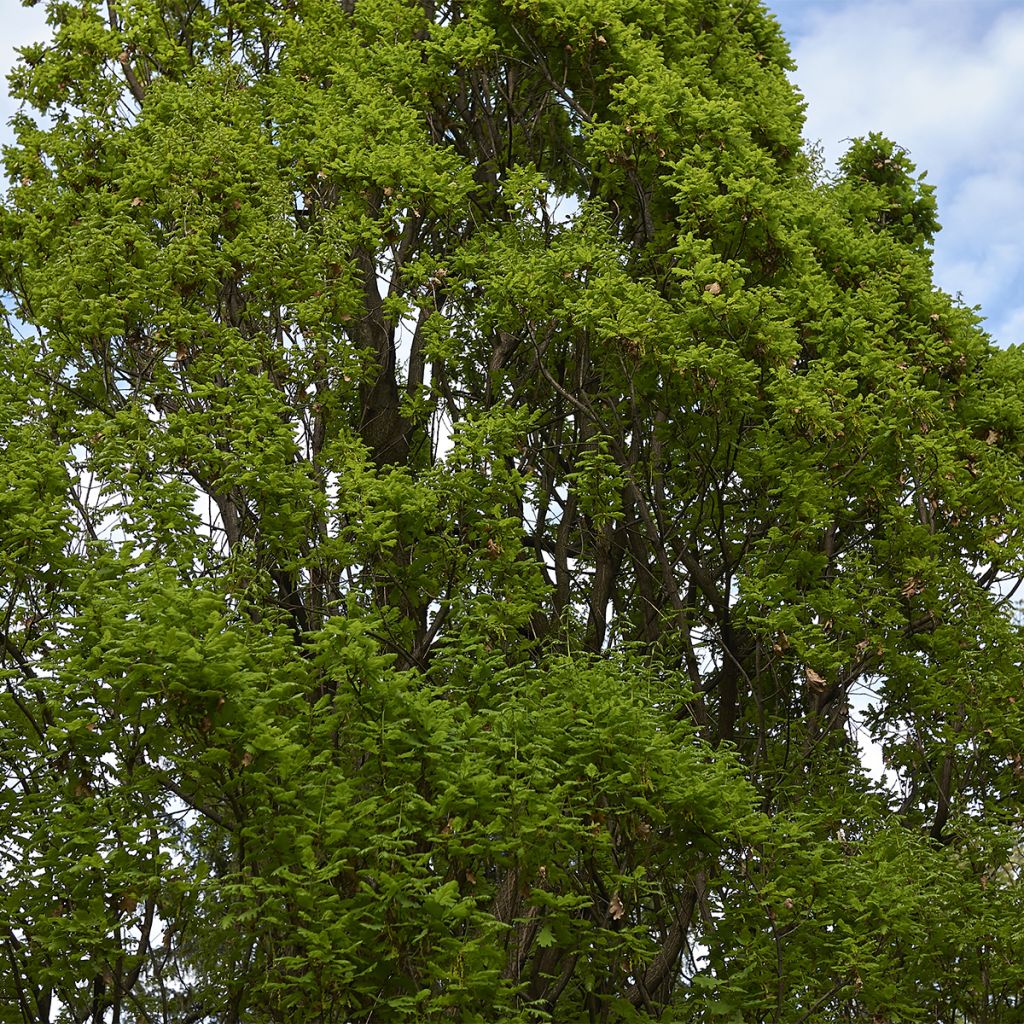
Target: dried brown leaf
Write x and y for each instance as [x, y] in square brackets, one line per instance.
[816, 681]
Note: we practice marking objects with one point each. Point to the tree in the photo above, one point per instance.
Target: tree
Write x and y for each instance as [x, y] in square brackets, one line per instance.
[467, 484]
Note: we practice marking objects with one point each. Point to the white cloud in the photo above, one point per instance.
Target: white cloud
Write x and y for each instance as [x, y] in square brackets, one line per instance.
[986, 199]
[919, 71]
[981, 250]
[1010, 329]
[945, 80]
[21, 26]
[982, 274]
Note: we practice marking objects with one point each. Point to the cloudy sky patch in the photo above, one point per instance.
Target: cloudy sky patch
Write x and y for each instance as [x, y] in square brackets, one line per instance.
[945, 79]
[19, 27]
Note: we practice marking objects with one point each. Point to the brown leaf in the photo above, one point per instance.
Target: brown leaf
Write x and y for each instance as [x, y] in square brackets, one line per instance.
[493, 547]
[816, 682]
[616, 909]
[993, 436]
[714, 288]
[136, 201]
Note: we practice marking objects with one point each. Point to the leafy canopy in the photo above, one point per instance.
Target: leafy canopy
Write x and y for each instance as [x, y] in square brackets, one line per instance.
[468, 488]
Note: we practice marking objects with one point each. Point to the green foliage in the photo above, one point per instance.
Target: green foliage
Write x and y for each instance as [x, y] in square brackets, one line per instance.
[468, 485]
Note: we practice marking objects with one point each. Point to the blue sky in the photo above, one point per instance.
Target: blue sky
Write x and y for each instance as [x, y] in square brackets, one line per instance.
[944, 78]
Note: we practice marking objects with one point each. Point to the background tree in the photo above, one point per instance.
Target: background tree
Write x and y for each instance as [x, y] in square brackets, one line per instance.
[466, 481]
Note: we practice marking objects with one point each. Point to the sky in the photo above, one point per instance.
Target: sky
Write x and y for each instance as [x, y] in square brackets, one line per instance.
[943, 78]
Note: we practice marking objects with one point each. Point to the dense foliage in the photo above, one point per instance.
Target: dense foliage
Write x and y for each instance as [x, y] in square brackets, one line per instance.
[470, 488]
